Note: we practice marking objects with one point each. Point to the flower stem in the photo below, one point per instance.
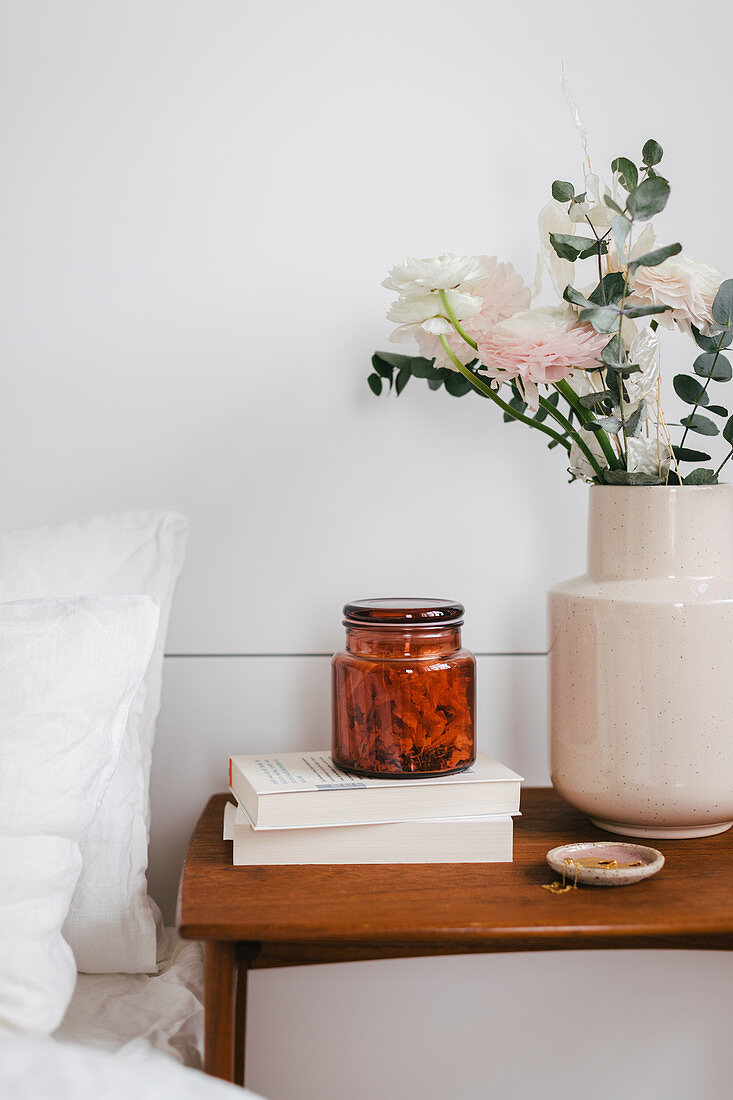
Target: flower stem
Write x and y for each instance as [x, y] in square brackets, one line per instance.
[451, 315]
[565, 423]
[584, 416]
[481, 386]
[550, 409]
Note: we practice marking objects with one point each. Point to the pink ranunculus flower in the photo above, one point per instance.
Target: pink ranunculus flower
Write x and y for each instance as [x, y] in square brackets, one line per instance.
[539, 347]
[683, 283]
[501, 291]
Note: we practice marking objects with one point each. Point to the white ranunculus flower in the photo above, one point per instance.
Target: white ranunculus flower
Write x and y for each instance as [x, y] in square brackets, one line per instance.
[415, 278]
[647, 456]
[579, 464]
[428, 313]
[683, 283]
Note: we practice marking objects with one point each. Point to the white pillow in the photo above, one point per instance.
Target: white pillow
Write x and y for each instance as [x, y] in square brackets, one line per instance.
[111, 922]
[69, 670]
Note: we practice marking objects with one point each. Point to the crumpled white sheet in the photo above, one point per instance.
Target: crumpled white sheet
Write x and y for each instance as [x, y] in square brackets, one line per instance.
[35, 1067]
[132, 1014]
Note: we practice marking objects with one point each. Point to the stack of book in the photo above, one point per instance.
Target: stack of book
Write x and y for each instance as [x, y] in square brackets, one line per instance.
[299, 808]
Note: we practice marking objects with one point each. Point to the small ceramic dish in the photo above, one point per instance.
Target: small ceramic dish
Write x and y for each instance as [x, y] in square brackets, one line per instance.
[605, 863]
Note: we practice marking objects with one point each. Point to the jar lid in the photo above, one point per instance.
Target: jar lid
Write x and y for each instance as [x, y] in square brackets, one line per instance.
[403, 610]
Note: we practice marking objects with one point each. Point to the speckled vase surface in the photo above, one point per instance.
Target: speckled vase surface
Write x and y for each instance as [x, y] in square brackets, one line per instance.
[641, 664]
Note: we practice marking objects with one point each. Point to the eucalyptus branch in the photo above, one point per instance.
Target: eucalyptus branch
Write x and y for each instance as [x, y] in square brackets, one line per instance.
[625, 450]
[704, 389]
[482, 387]
[729, 455]
[600, 264]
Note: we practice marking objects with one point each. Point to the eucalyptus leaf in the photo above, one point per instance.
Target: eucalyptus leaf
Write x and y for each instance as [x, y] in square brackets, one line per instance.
[375, 384]
[570, 294]
[718, 410]
[654, 258]
[568, 246]
[403, 377]
[723, 304]
[690, 390]
[644, 311]
[610, 290]
[728, 432]
[712, 343]
[423, 368]
[627, 172]
[626, 369]
[652, 152]
[612, 204]
[456, 384]
[610, 424]
[590, 400]
[562, 191]
[649, 198]
[596, 248]
[621, 227]
[517, 404]
[602, 318]
[614, 353]
[614, 356]
[623, 477]
[385, 362]
[435, 383]
[688, 454]
[701, 477]
[712, 365]
[700, 424]
[633, 422]
[613, 385]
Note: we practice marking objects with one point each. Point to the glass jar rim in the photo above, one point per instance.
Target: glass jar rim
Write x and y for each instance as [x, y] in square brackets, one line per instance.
[404, 611]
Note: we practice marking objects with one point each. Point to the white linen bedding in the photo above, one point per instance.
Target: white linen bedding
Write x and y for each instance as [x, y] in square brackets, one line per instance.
[124, 1036]
[138, 1013]
[40, 1068]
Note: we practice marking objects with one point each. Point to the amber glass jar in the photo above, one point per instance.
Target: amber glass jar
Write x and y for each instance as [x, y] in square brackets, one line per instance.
[403, 690]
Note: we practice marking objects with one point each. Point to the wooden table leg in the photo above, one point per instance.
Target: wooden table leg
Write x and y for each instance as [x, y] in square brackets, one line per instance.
[240, 1024]
[220, 973]
[244, 954]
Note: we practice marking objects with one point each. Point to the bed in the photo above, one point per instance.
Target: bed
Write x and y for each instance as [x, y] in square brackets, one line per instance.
[97, 999]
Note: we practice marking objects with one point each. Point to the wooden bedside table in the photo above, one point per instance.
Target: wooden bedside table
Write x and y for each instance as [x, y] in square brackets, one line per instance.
[291, 916]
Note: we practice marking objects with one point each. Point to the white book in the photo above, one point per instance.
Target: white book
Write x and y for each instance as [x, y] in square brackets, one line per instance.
[297, 790]
[486, 839]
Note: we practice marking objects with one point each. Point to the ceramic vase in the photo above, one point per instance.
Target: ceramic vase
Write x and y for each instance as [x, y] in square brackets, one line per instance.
[641, 664]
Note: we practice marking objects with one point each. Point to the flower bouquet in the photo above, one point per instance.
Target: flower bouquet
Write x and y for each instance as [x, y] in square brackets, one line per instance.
[639, 646]
[584, 372]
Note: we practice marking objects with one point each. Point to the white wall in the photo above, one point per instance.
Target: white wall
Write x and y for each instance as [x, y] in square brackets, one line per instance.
[200, 198]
